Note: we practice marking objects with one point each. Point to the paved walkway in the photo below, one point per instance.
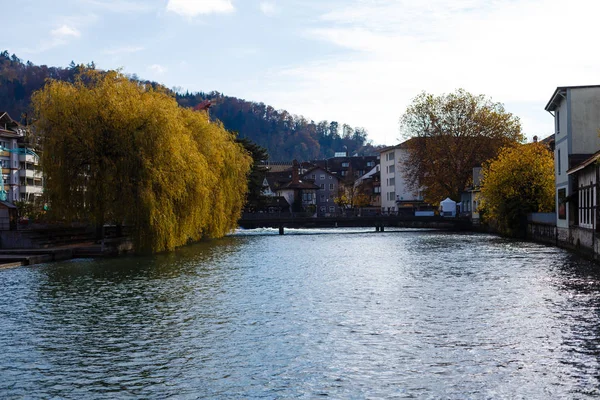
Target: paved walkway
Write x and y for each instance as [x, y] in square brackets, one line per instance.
[11, 258]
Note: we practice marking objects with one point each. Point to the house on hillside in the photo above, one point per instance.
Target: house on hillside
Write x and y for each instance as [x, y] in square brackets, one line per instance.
[576, 112]
[370, 185]
[348, 168]
[396, 193]
[300, 195]
[329, 185]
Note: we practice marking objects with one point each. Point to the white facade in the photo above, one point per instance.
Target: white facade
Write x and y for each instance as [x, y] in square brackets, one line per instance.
[30, 177]
[576, 111]
[394, 185]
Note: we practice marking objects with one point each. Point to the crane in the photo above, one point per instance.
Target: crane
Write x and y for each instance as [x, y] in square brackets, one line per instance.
[20, 151]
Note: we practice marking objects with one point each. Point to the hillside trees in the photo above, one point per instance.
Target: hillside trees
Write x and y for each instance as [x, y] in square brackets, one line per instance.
[284, 135]
[518, 182]
[120, 151]
[452, 134]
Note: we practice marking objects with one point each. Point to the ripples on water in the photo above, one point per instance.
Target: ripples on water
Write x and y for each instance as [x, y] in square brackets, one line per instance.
[400, 314]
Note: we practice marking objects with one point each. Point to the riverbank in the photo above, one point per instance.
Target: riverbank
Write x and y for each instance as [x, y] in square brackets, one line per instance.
[582, 241]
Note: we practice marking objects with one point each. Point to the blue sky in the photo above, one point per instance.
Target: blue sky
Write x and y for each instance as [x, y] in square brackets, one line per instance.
[355, 61]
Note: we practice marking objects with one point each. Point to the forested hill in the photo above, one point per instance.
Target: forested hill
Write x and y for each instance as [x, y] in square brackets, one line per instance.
[284, 135]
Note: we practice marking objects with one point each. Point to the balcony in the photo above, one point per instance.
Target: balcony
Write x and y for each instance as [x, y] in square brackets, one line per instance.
[31, 189]
[30, 173]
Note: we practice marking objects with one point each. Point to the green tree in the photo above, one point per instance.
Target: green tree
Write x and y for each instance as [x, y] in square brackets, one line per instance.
[255, 199]
[518, 182]
[451, 134]
[120, 151]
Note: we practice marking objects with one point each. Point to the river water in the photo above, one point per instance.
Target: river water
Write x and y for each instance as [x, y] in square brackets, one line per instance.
[328, 313]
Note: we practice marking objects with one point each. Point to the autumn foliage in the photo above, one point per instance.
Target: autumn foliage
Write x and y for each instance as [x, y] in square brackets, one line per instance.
[117, 151]
[451, 134]
[518, 182]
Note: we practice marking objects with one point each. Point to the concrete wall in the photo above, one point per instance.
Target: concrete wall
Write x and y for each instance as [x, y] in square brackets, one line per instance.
[585, 120]
[581, 240]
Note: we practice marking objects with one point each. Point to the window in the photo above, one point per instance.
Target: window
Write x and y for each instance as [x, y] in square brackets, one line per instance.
[307, 196]
[558, 161]
[313, 177]
[389, 156]
[370, 163]
[562, 207]
[391, 169]
[330, 177]
[331, 209]
[557, 122]
[344, 173]
[323, 186]
[322, 177]
[323, 209]
[391, 196]
[377, 189]
[322, 197]
[5, 163]
[345, 165]
[331, 186]
[391, 181]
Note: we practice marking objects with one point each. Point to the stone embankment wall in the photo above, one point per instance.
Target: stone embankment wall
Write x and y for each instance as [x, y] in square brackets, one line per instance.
[581, 240]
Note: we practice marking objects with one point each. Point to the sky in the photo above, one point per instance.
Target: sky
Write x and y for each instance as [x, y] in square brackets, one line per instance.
[359, 62]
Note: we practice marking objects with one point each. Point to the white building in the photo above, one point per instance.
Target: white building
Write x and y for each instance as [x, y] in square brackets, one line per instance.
[395, 189]
[576, 112]
[21, 174]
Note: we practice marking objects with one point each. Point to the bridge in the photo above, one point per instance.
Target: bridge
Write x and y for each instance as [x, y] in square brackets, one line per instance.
[377, 222]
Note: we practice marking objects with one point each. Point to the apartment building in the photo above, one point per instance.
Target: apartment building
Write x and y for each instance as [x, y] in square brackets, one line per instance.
[396, 193]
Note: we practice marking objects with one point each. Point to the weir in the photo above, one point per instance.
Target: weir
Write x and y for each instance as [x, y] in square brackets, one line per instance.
[379, 222]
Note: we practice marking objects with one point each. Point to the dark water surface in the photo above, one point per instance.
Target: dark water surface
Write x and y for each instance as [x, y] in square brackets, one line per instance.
[312, 314]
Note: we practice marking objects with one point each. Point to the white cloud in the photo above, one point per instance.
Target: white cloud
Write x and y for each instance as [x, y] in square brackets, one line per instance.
[64, 32]
[268, 8]
[157, 69]
[192, 8]
[512, 51]
[67, 29]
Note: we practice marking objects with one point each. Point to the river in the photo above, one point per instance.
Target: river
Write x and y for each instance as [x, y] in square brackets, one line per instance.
[314, 313]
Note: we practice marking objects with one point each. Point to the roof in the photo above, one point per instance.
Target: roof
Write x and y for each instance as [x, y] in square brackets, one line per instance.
[300, 185]
[584, 164]
[398, 146]
[7, 204]
[561, 92]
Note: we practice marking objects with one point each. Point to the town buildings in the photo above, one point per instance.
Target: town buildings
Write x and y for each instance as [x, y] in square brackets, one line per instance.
[397, 194]
[324, 182]
[576, 112]
[21, 174]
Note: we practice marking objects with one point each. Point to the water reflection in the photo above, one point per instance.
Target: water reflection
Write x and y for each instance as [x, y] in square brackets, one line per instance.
[398, 314]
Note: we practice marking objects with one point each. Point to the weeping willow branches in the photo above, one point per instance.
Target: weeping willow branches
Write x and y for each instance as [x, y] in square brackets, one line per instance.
[122, 152]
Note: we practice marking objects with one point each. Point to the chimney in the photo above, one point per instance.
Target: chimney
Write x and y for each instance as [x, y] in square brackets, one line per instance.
[295, 176]
[535, 139]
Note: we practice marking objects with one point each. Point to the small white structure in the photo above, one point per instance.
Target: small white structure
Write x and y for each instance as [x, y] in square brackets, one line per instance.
[448, 207]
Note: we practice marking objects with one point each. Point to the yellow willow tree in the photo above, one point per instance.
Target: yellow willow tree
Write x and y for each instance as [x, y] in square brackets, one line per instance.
[122, 152]
[518, 182]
